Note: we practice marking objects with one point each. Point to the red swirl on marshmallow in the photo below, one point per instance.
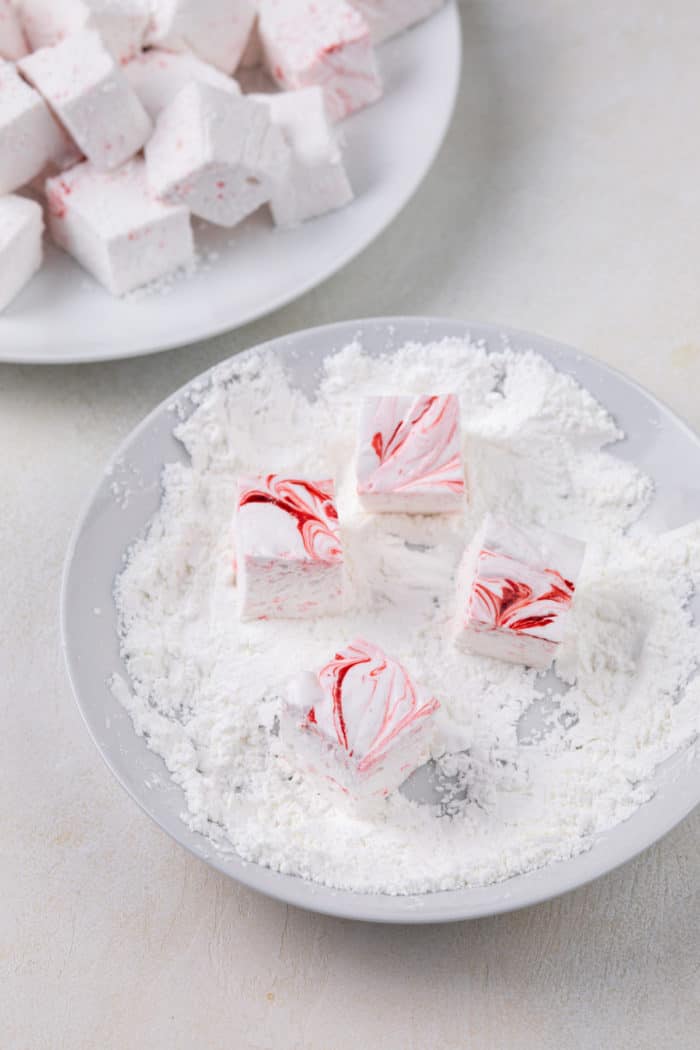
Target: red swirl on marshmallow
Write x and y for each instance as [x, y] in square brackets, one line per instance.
[288, 549]
[310, 504]
[515, 590]
[409, 456]
[512, 603]
[361, 721]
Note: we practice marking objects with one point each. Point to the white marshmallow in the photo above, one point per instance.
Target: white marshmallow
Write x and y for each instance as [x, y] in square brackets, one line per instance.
[316, 181]
[216, 30]
[91, 97]
[121, 24]
[157, 76]
[216, 153]
[289, 556]
[21, 227]
[361, 722]
[409, 457]
[386, 18]
[29, 136]
[12, 42]
[112, 225]
[328, 44]
[515, 588]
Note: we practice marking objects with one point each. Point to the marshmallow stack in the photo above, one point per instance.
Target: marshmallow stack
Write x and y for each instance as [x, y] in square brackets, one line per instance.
[125, 115]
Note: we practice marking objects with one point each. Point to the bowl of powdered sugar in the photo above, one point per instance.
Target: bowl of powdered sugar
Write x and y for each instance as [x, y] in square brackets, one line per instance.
[552, 778]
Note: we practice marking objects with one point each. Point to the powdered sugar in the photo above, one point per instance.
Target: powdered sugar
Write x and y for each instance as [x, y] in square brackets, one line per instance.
[537, 767]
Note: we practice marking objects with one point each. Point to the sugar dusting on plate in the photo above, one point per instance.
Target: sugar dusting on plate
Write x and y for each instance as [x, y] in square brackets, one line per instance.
[537, 764]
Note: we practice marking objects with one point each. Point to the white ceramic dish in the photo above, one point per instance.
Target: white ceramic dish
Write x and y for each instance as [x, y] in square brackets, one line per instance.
[64, 316]
[659, 442]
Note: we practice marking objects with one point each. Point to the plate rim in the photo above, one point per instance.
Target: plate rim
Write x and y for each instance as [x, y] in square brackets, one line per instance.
[203, 332]
[347, 904]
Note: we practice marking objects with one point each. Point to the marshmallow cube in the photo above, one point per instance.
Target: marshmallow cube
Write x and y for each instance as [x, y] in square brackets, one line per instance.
[112, 225]
[91, 97]
[315, 182]
[216, 153]
[157, 76]
[409, 458]
[514, 592]
[29, 136]
[328, 44]
[361, 722]
[121, 24]
[289, 556]
[386, 18]
[217, 31]
[21, 228]
[12, 41]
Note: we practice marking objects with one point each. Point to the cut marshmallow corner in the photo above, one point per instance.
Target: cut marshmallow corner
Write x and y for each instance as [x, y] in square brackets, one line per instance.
[217, 153]
[114, 227]
[30, 138]
[315, 181]
[330, 46]
[217, 31]
[21, 250]
[515, 589]
[91, 97]
[157, 76]
[409, 457]
[289, 554]
[360, 723]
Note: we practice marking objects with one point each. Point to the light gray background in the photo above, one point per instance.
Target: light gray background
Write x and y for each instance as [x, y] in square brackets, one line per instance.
[567, 201]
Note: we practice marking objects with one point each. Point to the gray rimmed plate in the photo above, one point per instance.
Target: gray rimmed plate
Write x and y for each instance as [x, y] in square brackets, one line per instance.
[657, 441]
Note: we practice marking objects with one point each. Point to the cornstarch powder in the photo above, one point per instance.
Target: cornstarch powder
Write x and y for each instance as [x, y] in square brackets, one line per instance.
[536, 765]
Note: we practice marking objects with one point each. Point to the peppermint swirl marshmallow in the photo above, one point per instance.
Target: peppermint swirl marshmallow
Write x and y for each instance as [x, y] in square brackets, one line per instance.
[410, 456]
[361, 721]
[289, 554]
[515, 590]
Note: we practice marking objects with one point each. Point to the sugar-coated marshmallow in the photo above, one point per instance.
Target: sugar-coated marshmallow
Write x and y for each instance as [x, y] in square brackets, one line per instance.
[409, 457]
[12, 42]
[29, 135]
[91, 96]
[21, 227]
[289, 556]
[315, 181]
[217, 31]
[121, 24]
[360, 721]
[514, 592]
[328, 44]
[157, 76]
[112, 225]
[386, 18]
[215, 152]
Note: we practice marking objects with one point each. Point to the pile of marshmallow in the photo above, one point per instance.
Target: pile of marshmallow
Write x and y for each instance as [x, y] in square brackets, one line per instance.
[361, 722]
[124, 115]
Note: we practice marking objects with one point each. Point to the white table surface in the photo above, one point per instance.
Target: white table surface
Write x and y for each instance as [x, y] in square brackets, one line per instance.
[567, 201]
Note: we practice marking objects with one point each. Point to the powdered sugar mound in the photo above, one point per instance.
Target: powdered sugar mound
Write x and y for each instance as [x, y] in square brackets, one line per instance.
[536, 765]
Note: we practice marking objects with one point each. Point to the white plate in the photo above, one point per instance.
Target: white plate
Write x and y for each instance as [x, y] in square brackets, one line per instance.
[657, 441]
[64, 316]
